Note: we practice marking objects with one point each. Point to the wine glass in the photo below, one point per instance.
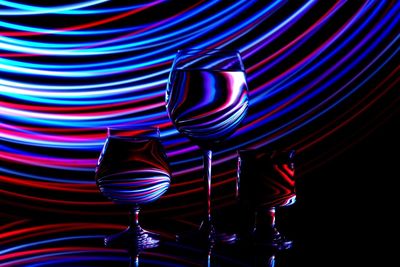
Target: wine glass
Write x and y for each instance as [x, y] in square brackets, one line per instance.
[132, 170]
[267, 182]
[206, 99]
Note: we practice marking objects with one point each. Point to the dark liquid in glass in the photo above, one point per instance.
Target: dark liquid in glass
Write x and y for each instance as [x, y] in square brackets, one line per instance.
[267, 180]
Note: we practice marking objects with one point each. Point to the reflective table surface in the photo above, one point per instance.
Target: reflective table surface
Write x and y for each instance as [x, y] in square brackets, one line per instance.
[33, 243]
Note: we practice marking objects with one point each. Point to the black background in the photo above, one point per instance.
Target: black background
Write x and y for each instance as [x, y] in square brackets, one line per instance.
[345, 209]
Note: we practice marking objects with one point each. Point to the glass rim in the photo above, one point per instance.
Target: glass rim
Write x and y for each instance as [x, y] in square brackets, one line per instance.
[148, 131]
[291, 151]
[207, 50]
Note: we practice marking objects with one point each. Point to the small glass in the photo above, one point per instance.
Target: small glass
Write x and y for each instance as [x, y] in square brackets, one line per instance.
[266, 182]
[132, 170]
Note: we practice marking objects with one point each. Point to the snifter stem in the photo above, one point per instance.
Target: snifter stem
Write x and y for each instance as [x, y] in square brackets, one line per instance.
[134, 218]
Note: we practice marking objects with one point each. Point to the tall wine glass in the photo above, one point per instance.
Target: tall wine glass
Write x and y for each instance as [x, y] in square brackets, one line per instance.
[267, 182]
[133, 170]
[206, 99]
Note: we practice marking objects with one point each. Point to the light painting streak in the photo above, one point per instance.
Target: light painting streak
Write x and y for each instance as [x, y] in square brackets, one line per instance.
[68, 71]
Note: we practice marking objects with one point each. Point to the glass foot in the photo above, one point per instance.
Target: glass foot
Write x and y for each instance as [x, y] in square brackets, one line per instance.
[272, 238]
[134, 239]
[280, 242]
[206, 234]
[265, 231]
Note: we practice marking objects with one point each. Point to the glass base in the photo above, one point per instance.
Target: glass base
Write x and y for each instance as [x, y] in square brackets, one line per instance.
[272, 238]
[135, 239]
[206, 234]
[265, 232]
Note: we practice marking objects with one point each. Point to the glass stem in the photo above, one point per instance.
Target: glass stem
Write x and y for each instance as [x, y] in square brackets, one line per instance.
[265, 219]
[271, 212]
[207, 161]
[134, 218]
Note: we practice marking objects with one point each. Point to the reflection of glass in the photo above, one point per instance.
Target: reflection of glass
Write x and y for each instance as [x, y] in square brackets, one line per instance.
[79, 244]
[132, 170]
[206, 100]
[134, 261]
[266, 183]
